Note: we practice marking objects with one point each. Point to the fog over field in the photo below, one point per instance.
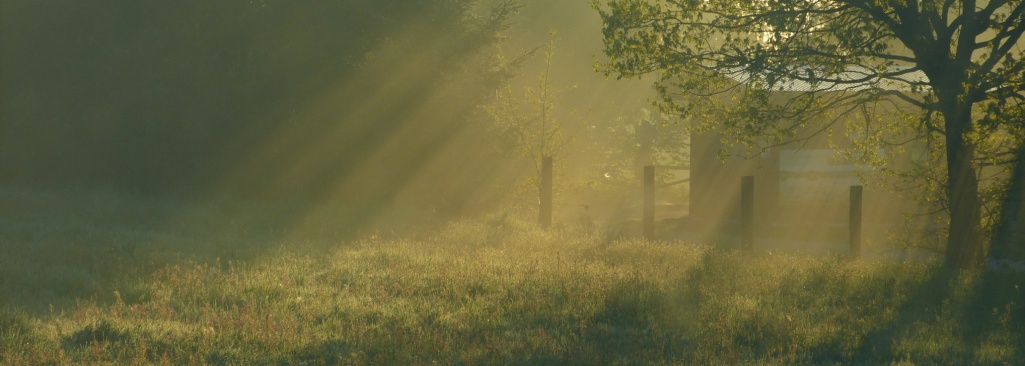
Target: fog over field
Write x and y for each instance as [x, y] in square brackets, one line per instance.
[331, 182]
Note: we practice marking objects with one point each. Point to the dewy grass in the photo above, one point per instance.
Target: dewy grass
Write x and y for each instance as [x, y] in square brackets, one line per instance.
[487, 291]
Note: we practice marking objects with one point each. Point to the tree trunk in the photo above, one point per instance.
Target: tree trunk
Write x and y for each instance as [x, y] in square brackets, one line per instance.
[964, 244]
[1009, 234]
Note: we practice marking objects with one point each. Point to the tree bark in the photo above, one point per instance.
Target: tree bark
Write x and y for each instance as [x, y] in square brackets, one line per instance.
[964, 243]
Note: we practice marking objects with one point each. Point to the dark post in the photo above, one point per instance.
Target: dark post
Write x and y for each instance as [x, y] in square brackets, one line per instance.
[545, 213]
[747, 212]
[855, 221]
[649, 202]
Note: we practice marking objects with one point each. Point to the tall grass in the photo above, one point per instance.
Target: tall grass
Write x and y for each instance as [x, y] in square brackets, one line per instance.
[485, 291]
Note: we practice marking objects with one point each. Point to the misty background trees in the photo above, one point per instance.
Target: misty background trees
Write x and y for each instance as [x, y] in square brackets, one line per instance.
[368, 102]
[248, 98]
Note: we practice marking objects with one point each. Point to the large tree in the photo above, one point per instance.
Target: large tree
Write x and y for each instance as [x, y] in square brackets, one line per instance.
[955, 65]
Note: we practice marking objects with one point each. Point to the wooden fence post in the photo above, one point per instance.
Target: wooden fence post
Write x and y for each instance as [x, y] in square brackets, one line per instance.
[545, 212]
[649, 202]
[747, 212]
[855, 221]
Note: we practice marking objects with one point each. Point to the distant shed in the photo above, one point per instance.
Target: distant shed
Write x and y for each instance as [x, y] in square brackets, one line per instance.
[798, 185]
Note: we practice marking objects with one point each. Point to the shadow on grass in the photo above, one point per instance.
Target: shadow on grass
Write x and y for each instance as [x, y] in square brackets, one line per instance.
[923, 304]
[953, 317]
[62, 247]
[629, 319]
[993, 314]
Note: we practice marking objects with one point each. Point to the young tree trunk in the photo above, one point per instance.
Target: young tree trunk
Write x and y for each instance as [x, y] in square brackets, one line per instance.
[964, 244]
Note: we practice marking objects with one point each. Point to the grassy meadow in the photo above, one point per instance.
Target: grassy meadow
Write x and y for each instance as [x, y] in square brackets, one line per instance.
[102, 278]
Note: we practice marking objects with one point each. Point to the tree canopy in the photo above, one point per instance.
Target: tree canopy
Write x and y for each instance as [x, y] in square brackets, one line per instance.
[763, 71]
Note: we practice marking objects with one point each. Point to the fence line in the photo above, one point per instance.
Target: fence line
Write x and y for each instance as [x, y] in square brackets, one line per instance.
[747, 211]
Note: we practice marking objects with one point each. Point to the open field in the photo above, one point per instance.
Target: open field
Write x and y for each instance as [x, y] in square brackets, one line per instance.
[93, 278]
